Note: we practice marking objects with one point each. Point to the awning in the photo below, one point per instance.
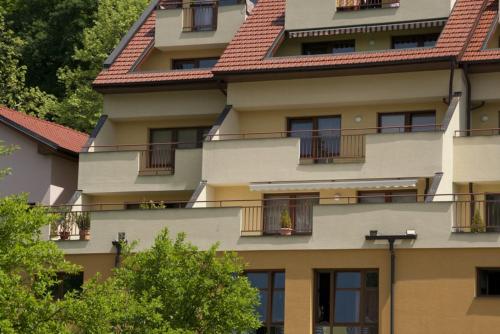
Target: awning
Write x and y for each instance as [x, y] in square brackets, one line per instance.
[368, 28]
[320, 185]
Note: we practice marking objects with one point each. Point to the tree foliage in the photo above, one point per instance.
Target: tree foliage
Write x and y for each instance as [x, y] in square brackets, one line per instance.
[28, 270]
[51, 29]
[13, 90]
[82, 106]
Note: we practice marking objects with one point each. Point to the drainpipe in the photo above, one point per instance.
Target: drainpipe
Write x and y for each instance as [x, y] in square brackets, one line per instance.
[453, 66]
[119, 247]
[468, 97]
[391, 239]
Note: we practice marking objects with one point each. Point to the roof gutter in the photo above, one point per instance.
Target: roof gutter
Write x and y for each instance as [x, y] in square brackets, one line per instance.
[325, 68]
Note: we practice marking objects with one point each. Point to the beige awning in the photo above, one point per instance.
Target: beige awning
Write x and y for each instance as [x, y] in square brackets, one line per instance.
[371, 28]
[320, 185]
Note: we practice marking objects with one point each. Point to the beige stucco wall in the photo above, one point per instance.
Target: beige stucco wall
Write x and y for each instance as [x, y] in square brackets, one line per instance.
[276, 120]
[364, 42]
[343, 90]
[115, 172]
[434, 290]
[158, 60]
[477, 159]
[485, 86]
[264, 160]
[169, 35]
[48, 179]
[491, 111]
[334, 227]
[322, 13]
[133, 106]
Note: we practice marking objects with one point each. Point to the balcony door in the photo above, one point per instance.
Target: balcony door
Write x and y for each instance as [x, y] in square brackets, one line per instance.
[407, 122]
[298, 206]
[161, 151]
[204, 15]
[493, 212]
[320, 137]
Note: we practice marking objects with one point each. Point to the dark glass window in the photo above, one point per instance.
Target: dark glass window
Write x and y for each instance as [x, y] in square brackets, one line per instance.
[230, 2]
[488, 282]
[407, 122]
[395, 196]
[189, 64]
[346, 301]
[320, 137]
[67, 283]
[493, 212]
[271, 286]
[414, 41]
[328, 47]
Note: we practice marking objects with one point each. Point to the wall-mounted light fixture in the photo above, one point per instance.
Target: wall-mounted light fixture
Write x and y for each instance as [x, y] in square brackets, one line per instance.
[485, 118]
[358, 119]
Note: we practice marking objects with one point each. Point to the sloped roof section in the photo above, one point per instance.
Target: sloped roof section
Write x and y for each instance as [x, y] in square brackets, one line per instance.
[248, 51]
[121, 70]
[52, 134]
[476, 48]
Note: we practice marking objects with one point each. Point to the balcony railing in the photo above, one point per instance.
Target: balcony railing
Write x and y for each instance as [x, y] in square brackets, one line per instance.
[70, 225]
[330, 145]
[477, 216]
[353, 5]
[478, 132]
[160, 158]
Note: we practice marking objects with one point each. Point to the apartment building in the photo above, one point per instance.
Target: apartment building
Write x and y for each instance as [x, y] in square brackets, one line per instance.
[348, 150]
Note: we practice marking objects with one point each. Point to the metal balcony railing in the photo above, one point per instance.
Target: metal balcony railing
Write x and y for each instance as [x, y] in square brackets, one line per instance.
[70, 225]
[353, 5]
[477, 216]
[478, 132]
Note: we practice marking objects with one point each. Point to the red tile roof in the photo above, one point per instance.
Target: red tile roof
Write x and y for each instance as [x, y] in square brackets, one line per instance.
[120, 72]
[55, 134]
[248, 49]
[475, 49]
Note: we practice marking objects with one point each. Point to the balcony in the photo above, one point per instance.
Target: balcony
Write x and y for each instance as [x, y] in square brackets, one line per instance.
[70, 225]
[477, 216]
[335, 154]
[350, 5]
[191, 24]
[139, 168]
[304, 15]
[318, 226]
[476, 155]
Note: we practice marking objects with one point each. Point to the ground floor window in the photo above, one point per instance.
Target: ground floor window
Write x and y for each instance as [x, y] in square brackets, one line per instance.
[271, 286]
[346, 301]
[67, 283]
[488, 282]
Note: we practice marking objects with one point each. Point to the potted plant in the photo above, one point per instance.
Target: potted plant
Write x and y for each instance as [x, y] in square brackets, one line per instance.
[286, 223]
[83, 223]
[63, 226]
[477, 224]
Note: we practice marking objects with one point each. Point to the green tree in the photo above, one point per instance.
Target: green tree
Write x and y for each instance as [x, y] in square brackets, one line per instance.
[52, 29]
[194, 290]
[13, 91]
[28, 270]
[82, 106]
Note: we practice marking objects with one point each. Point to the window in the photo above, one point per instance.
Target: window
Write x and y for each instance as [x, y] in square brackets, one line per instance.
[407, 122]
[395, 196]
[346, 301]
[163, 143]
[68, 283]
[230, 2]
[328, 47]
[493, 212]
[414, 41]
[298, 206]
[189, 64]
[320, 137]
[271, 286]
[488, 282]
[200, 16]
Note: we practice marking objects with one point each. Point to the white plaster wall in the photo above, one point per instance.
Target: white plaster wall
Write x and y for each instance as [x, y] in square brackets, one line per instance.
[31, 171]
